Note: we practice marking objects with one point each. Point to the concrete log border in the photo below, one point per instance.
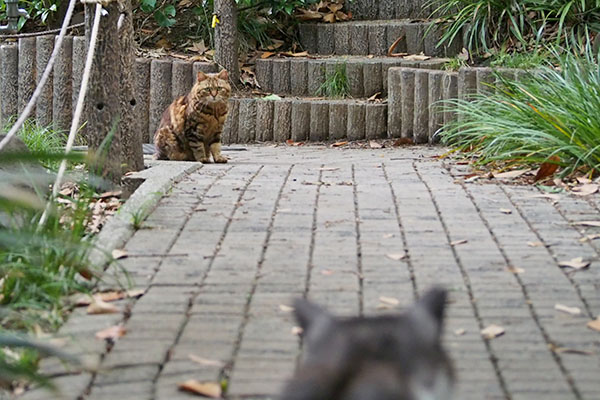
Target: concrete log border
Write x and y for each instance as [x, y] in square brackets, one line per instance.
[412, 88]
[415, 108]
[362, 38]
[304, 76]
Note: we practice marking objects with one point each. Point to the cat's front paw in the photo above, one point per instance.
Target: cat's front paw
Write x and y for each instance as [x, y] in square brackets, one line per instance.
[205, 160]
[221, 160]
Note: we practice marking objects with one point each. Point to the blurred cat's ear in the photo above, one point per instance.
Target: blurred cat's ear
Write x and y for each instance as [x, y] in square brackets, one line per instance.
[428, 314]
[434, 301]
[224, 75]
[307, 313]
[201, 76]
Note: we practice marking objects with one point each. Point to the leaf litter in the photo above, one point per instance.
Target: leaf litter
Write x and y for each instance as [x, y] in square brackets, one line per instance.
[567, 309]
[576, 263]
[111, 333]
[207, 389]
[492, 331]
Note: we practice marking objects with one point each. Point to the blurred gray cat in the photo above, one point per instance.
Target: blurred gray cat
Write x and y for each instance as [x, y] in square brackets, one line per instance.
[392, 357]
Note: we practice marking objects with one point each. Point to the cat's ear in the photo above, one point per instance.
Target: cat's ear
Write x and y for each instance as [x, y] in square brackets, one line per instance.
[428, 313]
[224, 75]
[307, 313]
[201, 76]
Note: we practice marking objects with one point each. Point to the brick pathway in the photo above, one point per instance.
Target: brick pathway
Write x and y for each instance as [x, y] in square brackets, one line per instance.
[232, 243]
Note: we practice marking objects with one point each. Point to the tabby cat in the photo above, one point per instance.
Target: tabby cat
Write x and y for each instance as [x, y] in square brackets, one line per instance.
[190, 129]
[393, 357]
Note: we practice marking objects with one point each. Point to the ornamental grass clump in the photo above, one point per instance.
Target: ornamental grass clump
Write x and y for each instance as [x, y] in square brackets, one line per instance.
[554, 111]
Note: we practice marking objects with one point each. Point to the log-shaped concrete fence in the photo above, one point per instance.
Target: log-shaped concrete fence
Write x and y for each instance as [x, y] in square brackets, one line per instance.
[408, 112]
[376, 37]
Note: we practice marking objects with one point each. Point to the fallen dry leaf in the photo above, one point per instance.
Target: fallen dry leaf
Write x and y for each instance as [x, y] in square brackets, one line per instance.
[392, 301]
[516, 270]
[547, 168]
[575, 263]
[100, 307]
[388, 236]
[267, 54]
[396, 256]
[285, 308]
[329, 18]
[460, 332]
[535, 244]
[567, 309]
[403, 142]
[569, 350]
[86, 273]
[417, 57]
[339, 144]
[458, 242]
[585, 190]
[511, 174]
[112, 333]
[492, 331]
[594, 325]
[588, 238]
[505, 211]
[390, 52]
[587, 223]
[206, 389]
[296, 330]
[117, 254]
[374, 145]
[206, 361]
[327, 272]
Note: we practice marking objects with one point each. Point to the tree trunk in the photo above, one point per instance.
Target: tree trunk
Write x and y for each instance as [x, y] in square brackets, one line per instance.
[131, 136]
[226, 40]
[104, 110]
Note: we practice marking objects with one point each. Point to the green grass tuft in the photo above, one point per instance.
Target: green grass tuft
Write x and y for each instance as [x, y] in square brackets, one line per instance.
[336, 83]
[554, 112]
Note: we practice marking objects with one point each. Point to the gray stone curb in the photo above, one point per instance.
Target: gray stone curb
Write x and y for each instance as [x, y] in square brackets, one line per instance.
[158, 179]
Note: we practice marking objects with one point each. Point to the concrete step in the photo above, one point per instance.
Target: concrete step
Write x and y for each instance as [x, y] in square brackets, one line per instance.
[386, 9]
[375, 38]
[303, 119]
[305, 76]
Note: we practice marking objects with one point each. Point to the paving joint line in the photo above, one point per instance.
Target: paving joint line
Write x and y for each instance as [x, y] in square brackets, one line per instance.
[128, 309]
[587, 307]
[467, 283]
[409, 264]
[568, 377]
[311, 248]
[228, 369]
[194, 295]
[359, 266]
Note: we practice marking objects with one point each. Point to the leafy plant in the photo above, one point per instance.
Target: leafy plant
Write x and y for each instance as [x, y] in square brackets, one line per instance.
[163, 13]
[489, 24]
[19, 359]
[454, 64]
[555, 112]
[336, 83]
[527, 60]
[40, 11]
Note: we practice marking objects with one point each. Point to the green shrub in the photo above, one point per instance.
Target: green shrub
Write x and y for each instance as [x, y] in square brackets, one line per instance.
[554, 112]
[489, 24]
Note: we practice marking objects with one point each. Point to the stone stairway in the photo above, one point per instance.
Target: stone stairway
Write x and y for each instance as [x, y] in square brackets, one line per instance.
[360, 47]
